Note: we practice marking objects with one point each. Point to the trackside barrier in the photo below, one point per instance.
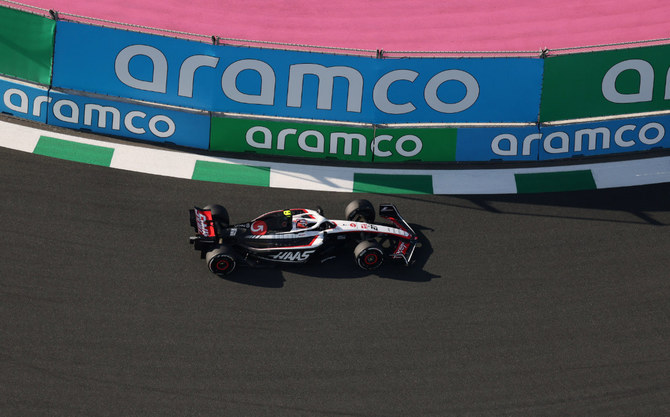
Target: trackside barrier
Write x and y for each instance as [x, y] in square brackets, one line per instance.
[604, 137]
[130, 119]
[332, 106]
[26, 45]
[24, 100]
[295, 84]
[379, 144]
[125, 118]
[361, 143]
[606, 83]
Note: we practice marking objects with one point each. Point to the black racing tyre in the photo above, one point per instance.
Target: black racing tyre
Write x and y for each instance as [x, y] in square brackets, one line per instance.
[369, 255]
[360, 211]
[219, 214]
[221, 261]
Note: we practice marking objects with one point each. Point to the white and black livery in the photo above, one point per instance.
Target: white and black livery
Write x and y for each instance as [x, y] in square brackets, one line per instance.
[298, 236]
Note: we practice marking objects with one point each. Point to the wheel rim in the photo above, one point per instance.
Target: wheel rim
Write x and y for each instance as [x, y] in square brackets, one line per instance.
[223, 265]
[370, 259]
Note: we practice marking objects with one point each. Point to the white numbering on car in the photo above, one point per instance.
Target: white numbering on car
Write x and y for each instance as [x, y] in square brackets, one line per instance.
[374, 228]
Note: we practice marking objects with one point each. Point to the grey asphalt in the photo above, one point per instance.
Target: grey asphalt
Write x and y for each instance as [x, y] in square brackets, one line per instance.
[537, 305]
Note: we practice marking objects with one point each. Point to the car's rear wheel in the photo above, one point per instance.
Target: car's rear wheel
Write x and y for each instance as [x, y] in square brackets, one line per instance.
[360, 211]
[369, 255]
[221, 261]
[219, 214]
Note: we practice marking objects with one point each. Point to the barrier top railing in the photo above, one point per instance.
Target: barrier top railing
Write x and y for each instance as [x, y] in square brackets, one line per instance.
[378, 53]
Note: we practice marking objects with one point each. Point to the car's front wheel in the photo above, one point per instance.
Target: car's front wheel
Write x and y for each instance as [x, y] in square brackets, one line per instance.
[360, 211]
[221, 261]
[369, 255]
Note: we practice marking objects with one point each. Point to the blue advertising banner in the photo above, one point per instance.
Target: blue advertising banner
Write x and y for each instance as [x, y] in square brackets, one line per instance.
[564, 141]
[295, 84]
[497, 144]
[605, 137]
[457, 90]
[130, 120]
[23, 100]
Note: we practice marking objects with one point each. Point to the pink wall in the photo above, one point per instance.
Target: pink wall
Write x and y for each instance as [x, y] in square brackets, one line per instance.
[445, 25]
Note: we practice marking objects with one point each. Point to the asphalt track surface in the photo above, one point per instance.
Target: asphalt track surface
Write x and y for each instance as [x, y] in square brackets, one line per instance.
[523, 305]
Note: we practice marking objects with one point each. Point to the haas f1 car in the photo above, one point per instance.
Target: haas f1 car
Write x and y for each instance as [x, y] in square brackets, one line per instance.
[299, 236]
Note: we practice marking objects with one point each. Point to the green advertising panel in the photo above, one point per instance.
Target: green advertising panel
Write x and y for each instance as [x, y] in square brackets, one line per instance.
[342, 143]
[606, 83]
[26, 45]
[407, 144]
[291, 139]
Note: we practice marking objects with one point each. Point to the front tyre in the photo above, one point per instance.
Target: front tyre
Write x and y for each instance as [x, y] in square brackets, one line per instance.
[360, 211]
[369, 255]
[221, 261]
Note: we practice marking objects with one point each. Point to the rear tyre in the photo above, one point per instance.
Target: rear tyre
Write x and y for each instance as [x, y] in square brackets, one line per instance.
[369, 255]
[219, 214]
[221, 261]
[360, 211]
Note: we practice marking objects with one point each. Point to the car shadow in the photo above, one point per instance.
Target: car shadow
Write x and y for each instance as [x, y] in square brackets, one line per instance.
[269, 277]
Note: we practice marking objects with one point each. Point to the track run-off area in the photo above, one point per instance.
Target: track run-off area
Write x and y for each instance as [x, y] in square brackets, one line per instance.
[546, 304]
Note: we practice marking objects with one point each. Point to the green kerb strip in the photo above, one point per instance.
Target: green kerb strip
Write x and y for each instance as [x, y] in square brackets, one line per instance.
[74, 151]
[231, 173]
[393, 184]
[555, 181]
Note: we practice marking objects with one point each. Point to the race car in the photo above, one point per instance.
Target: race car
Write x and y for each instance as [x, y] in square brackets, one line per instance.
[299, 236]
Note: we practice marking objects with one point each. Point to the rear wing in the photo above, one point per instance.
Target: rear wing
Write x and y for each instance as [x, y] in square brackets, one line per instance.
[206, 230]
[202, 222]
[404, 250]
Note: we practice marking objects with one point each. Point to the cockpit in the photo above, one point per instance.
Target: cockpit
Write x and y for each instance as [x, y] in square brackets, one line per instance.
[293, 220]
[275, 221]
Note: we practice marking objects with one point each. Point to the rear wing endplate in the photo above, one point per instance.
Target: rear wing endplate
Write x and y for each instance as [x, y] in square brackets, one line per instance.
[202, 222]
